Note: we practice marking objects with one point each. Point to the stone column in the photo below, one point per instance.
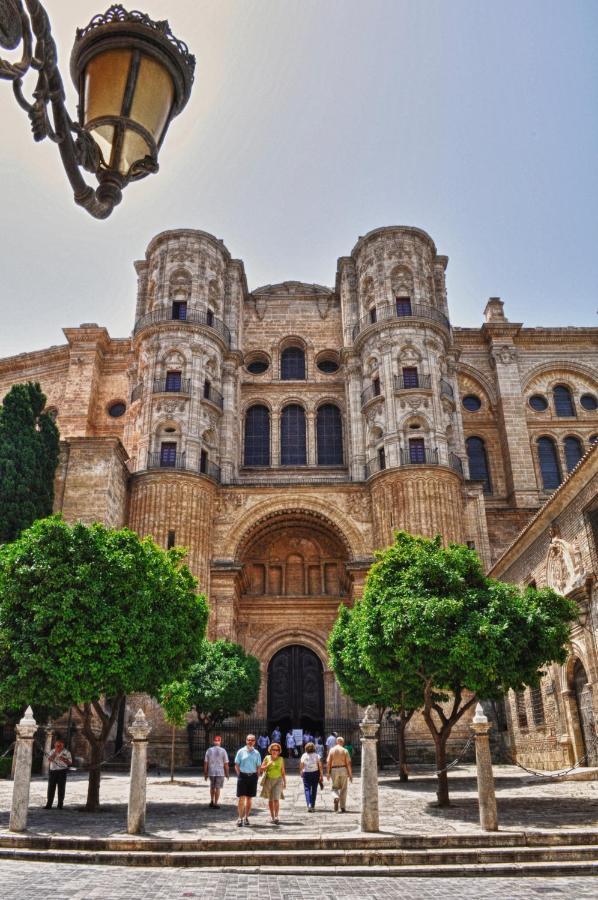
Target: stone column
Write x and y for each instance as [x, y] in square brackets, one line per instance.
[486, 796]
[23, 754]
[369, 770]
[49, 729]
[137, 784]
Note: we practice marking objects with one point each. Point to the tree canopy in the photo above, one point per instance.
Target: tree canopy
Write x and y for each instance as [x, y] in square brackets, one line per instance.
[29, 448]
[430, 611]
[88, 612]
[225, 681]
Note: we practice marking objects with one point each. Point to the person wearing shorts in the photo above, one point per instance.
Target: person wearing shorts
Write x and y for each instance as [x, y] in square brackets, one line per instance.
[247, 763]
[215, 767]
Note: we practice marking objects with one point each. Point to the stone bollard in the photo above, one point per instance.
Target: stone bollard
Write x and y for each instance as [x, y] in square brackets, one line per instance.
[486, 796]
[22, 779]
[139, 729]
[49, 729]
[369, 770]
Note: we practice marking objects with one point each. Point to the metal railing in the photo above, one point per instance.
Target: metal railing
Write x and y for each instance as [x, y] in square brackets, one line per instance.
[372, 466]
[456, 463]
[374, 390]
[446, 389]
[192, 317]
[418, 311]
[422, 383]
[420, 457]
[166, 386]
[213, 396]
[136, 392]
[178, 461]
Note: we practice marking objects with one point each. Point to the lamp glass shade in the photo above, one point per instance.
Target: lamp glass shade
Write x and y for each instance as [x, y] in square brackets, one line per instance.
[153, 98]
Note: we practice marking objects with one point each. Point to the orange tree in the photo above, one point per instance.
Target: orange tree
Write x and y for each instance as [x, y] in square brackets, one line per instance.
[431, 614]
[89, 613]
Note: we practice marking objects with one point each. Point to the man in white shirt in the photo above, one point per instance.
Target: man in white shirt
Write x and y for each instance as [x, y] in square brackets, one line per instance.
[215, 767]
[60, 760]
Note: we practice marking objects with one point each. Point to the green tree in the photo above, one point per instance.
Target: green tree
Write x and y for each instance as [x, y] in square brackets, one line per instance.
[225, 681]
[174, 700]
[365, 687]
[89, 613]
[430, 611]
[29, 448]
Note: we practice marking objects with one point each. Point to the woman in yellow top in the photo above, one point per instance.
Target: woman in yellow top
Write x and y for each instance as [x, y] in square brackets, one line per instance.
[275, 779]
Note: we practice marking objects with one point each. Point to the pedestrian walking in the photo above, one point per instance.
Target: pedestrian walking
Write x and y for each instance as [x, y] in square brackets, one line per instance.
[215, 767]
[247, 764]
[290, 744]
[310, 769]
[60, 760]
[263, 742]
[319, 746]
[331, 741]
[276, 735]
[274, 780]
[339, 769]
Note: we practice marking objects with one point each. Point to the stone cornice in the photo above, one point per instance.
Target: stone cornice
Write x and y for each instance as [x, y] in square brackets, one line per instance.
[393, 229]
[175, 233]
[95, 443]
[54, 355]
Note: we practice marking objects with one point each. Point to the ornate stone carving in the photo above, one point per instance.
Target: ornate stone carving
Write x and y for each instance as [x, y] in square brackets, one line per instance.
[564, 568]
[504, 355]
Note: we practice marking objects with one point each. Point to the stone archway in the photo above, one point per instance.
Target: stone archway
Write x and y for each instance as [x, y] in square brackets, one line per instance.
[582, 692]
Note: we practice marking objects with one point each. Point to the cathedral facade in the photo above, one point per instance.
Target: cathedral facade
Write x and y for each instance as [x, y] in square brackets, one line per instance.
[282, 434]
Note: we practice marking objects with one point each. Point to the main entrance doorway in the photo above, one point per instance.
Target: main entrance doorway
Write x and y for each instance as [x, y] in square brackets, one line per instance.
[585, 712]
[296, 690]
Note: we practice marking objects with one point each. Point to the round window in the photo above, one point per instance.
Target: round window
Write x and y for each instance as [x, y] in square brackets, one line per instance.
[471, 402]
[589, 402]
[116, 410]
[538, 402]
[328, 366]
[258, 364]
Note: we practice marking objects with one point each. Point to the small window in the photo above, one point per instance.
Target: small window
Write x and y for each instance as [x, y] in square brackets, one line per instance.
[549, 464]
[376, 386]
[179, 310]
[417, 451]
[116, 410]
[573, 452]
[167, 454]
[328, 363]
[373, 315]
[537, 704]
[203, 461]
[258, 364]
[563, 401]
[171, 540]
[206, 389]
[410, 377]
[403, 306]
[478, 462]
[538, 403]
[173, 381]
[209, 317]
[521, 710]
[471, 402]
[589, 402]
[381, 458]
[292, 364]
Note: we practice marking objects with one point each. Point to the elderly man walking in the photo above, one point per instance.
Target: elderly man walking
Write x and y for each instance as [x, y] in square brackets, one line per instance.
[215, 767]
[247, 763]
[339, 769]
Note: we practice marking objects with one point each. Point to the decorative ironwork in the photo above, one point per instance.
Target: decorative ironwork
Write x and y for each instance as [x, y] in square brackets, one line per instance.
[456, 463]
[192, 317]
[392, 311]
[179, 462]
[374, 390]
[213, 396]
[424, 383]
[424, 457]
[446, 389]
[27, 24]
[164, 386]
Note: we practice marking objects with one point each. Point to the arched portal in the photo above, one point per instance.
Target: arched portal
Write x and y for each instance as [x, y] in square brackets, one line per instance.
[296, 690]
[585, 713]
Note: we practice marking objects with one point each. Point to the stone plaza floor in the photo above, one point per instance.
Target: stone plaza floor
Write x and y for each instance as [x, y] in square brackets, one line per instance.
[180, 810]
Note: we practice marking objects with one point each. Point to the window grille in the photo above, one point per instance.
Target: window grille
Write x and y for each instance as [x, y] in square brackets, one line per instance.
[329, 430]
[168, 453]
[403, 306]
[376, 386]
[478, 462]
[410, 377]
[293, 448]
[537, 704]
[173, 381]
[257, 436]
[179, 310]
[417, 450]
[563, 401]
[292, 364]
[573, 452]
[521, 710]
[549, 463]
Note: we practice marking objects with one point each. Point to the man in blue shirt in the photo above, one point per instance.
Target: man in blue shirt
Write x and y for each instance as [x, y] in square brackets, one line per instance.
[247, 763]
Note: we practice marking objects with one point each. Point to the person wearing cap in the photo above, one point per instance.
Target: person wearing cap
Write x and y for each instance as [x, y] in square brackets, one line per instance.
[215, 767]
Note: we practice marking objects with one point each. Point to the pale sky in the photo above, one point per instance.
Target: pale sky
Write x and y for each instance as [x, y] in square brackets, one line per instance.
[314, 121]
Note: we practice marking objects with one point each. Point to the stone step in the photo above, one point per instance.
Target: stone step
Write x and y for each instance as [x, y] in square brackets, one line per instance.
[247, 840]
[400, 861]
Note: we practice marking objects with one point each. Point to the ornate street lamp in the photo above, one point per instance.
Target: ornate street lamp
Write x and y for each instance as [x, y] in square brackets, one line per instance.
[133, 76]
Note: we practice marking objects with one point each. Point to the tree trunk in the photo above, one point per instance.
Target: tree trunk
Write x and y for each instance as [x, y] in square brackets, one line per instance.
[403, 774]
[442, 791]
[172, 755]
[95, 775]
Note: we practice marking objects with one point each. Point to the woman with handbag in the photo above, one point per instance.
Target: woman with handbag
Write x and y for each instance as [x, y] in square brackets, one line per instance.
[310, 769]
[274, 780]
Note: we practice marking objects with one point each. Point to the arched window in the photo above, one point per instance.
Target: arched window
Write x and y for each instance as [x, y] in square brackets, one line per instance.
[573, 452]
[293, 450]
[330, 435]
[257, 436]
[478, 462]
[292, 364]
[563, 401]
[549, 463]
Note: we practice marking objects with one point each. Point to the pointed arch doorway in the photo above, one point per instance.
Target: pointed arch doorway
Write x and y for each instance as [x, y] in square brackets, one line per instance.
[296, 690]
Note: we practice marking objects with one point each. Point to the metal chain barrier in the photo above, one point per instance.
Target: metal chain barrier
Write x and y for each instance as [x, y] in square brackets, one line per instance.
[6, 752]
[97, 765]
[579, 762]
